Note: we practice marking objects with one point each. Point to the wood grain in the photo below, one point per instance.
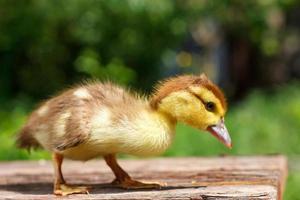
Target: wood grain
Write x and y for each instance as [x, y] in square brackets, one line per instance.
[257, 177]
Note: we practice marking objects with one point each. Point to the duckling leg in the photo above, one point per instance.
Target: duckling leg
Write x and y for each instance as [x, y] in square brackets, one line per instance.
[123, 180]
[60, 186]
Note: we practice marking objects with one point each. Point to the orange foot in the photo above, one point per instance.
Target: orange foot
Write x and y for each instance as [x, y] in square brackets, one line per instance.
[132, 184]
[64, 190]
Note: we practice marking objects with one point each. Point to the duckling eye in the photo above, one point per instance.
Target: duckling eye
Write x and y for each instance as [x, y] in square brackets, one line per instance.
[210, 106]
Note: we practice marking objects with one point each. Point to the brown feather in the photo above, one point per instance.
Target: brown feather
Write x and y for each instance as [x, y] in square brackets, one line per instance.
[25, 140]
[178, 83]
[77, 127]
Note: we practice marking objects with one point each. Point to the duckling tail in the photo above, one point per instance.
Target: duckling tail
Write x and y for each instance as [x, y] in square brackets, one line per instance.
[25, 139]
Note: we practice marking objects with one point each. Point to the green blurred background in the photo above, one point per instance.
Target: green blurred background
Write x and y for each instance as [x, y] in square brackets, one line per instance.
[250, 48]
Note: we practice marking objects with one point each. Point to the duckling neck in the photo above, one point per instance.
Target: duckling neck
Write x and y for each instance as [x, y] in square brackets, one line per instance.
[165, 120]
[154, 132]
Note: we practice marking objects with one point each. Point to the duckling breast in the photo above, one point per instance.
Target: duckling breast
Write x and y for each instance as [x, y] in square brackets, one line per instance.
[147, 135]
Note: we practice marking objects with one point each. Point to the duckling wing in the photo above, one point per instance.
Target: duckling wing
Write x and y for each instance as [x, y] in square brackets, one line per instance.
[86, 102]
[69, 126]
[66, 120]
[76, 132]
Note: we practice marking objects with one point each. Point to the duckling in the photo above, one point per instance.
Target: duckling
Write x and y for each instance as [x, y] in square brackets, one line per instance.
[103, 119]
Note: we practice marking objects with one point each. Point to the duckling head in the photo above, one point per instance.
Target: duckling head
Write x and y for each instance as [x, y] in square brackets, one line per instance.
[193, 100]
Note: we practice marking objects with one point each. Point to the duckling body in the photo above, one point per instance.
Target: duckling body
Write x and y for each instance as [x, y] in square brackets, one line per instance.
[146, 134]
[103, 119]
[99, 119]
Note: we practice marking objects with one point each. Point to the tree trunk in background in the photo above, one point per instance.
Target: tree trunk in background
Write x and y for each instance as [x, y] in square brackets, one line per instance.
[242, 66]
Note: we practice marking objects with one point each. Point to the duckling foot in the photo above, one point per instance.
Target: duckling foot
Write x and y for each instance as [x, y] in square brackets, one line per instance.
[64, 190]
[123, 180]
[132, 184]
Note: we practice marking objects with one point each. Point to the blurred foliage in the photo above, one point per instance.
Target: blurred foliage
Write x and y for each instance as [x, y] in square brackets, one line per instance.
[58, 43]
[89, 62]
[292, 186]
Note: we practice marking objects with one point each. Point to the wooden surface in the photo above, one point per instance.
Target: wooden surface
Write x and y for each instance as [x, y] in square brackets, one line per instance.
[186, 178]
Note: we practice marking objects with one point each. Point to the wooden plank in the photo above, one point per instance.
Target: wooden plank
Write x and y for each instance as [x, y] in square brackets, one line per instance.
[260, 177]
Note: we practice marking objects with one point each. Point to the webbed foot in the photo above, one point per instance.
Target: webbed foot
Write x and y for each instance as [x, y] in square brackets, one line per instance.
[133, 184]
[64, 190]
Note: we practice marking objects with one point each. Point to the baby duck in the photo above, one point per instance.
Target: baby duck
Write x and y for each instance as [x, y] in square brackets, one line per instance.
[103, 119]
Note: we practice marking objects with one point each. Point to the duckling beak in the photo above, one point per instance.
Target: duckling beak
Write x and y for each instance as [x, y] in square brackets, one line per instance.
[220, 131]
